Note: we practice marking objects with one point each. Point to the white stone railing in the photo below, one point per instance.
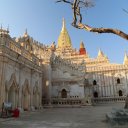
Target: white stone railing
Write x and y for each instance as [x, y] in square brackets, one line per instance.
[107, 68]
[108, 99]
[79, 101]
[63, 101]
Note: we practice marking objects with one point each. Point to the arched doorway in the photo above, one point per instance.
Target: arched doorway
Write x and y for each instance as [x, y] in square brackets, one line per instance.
[12, 96]
[95, 94]
[26, 100]
[118, 81]
[120, 93]
[63, 93]
[36, 98]
[12, 91]
[94, 82]
[26, 96]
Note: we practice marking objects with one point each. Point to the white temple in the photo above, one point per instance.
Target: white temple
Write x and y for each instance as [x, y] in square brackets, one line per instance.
[33, 74]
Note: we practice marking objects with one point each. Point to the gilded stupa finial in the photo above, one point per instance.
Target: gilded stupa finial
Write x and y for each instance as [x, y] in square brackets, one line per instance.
[100, 53]
[26, 33]
[82, 45]
[63, 25]
[64, 38]
[125, 58]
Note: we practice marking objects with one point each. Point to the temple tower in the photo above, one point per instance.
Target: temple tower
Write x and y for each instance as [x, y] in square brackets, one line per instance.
[82, 50]
[125, 59]
[64, 40]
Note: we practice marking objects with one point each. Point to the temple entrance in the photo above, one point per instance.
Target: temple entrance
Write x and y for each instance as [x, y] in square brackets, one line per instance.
[120, 93]
[12, 96]
[26, 96]
[95, 94]
[36, 100]
[63, 93]
[36, 96]
[26, 100]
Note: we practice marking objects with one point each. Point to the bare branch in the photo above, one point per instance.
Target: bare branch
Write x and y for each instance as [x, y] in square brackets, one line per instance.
[86, 4]
[125, 10]
[103, 30]
[77, 18]
[64, 1]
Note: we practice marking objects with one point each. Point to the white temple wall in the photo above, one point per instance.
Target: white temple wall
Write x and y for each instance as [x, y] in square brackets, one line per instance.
[73, 91]
[107, 85]
[57, 73]
[13, 81]
[55, 91]
[77, 90]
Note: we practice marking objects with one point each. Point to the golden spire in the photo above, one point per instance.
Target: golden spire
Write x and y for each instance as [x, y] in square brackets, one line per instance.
[64, 38]
[26, 33]
[63, 25]
[100, 53]
[125, 59]
[82, 45]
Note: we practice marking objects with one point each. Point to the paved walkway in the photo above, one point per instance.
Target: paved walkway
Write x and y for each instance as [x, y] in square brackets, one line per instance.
[88, 117]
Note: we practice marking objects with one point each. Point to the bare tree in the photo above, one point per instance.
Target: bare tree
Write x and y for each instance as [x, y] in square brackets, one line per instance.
[76, 6]
[125, 10]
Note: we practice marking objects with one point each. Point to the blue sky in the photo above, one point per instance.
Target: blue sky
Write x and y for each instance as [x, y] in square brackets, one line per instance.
[43, 20]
